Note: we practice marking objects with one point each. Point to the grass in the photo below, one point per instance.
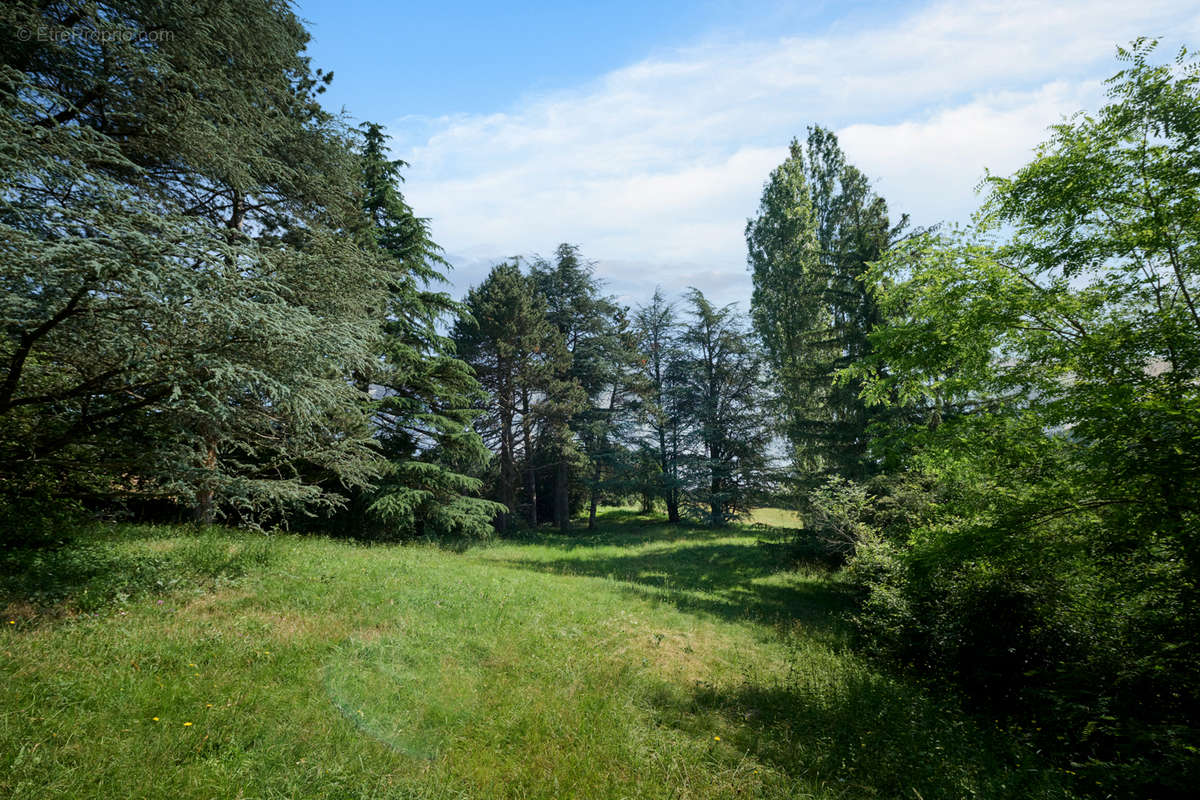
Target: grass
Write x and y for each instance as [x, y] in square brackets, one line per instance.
[776, 517]
[640, 661]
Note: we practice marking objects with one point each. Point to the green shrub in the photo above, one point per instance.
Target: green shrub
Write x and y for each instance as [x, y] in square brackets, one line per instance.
[37, 520]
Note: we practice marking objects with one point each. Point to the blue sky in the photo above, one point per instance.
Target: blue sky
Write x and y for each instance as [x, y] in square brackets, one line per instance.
[395, 59]
[644, 131]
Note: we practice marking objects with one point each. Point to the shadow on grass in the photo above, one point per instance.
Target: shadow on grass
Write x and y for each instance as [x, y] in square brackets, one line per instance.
[832, 725]
[860, 734]
[619, 528]
[106, 567]
[700, 570]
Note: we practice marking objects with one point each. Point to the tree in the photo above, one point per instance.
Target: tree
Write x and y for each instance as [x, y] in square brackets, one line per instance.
[517, 355]
[609, 429]
[589, 324]
[426, 395]
[181, 304]
[1058, 367]
[818, 227]
[656, 332]
[718, 386]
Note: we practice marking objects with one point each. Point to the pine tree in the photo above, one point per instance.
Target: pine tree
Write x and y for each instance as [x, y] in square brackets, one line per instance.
[517, 355]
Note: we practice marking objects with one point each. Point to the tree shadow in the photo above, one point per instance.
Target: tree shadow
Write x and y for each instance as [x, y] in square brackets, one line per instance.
[621, 528]
[850, 732]
[702, 571]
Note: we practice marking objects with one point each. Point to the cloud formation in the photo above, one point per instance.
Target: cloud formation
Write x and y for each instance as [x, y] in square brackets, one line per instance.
[654, 168]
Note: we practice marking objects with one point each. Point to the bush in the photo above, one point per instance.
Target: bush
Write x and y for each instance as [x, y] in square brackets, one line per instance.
[839, 514]
[1072, 629]
[37, 520]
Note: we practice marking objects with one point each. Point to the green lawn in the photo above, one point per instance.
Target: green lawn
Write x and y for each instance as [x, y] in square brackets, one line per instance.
[637, 662]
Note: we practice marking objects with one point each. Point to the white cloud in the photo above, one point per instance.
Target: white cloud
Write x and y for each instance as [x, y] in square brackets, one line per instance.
[654, 168]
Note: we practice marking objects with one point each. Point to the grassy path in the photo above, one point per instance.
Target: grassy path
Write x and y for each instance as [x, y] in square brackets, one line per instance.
[639, 662]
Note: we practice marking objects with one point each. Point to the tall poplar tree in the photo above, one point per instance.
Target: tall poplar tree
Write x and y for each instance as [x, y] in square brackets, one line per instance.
[819, 225]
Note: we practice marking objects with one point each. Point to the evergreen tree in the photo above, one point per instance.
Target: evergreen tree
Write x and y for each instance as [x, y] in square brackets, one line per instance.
[818, 227]
[517, 355]
[593, 381]
[656, 332]
[181, 303]
[426, 395]
[718, 387]
[609, 428]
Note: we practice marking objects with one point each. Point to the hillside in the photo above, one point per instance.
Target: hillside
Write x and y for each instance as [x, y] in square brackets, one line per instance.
[641, 661]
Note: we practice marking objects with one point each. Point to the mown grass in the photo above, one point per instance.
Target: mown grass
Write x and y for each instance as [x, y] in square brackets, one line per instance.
[641, 661]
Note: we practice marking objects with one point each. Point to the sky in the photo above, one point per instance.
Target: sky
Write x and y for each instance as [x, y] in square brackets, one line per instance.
[644, 132]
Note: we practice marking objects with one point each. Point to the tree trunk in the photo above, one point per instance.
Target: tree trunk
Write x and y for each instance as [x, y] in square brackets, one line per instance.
[530, 469]
[562, 508]
[715, 504]
[205, 510]
[670, 465]
[670, 493]
[508, 478]
[594, 500]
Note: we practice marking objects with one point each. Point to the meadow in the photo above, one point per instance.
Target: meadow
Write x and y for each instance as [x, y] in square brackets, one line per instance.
[635, 661]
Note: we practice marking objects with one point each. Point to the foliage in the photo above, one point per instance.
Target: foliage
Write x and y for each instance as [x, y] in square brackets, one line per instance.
[586, 418]
[519, 358]
[818, 227]
[837, 515]
[719, 391]
[423, 416]
[180, 307]
[1049, 393]
[657, 334]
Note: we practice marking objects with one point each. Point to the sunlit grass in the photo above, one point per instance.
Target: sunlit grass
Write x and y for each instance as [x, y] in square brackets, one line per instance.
[638, 661]
[776, 517]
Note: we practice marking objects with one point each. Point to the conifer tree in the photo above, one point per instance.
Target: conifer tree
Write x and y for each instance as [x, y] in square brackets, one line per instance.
[182, 303]
[426, 395]
[584, 402]
[717, 380]
[655, 325]
[517, 355]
